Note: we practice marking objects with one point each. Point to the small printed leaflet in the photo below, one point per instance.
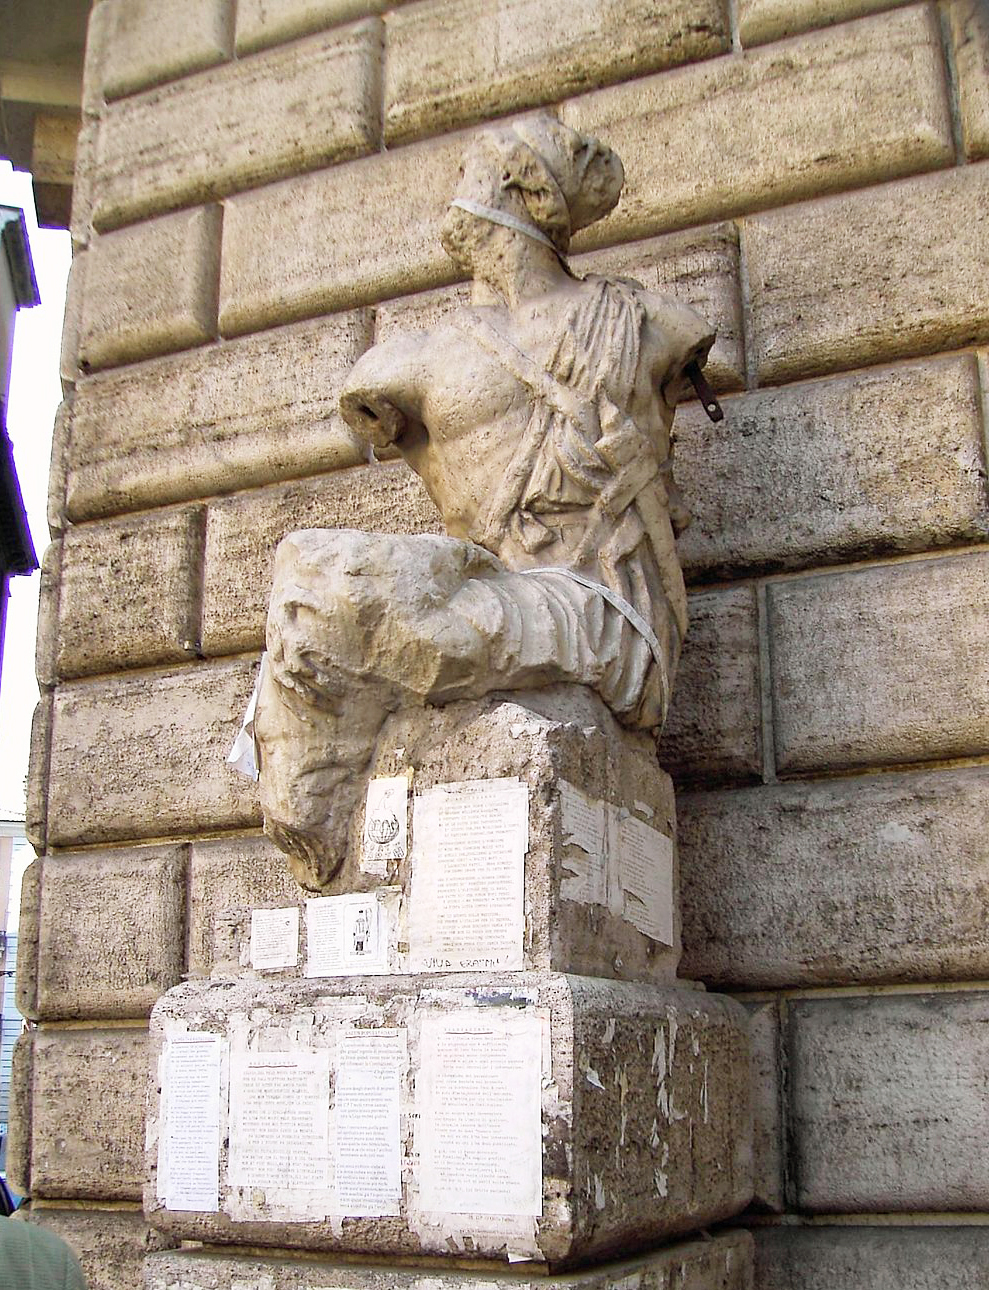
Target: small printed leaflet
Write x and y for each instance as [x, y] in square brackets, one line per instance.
[386, 823]
[466, 908]
[279, 1120]
[479, 1136]
[274, 938]
[645, 868]
[583, 826]
[347, 935]
[189, 1126]
[370, 1067]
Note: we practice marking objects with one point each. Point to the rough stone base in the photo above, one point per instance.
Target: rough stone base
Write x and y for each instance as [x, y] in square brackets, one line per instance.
[721, 1263]
[645, 1115]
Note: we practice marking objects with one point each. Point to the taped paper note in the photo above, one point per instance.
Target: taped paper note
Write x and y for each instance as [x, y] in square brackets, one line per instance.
[189, 1130]
[645, 867]
[370, 1067]
[479, 1136]
[274, 938]
[347, 935]
[279, 1116]
[466, 908]
[386, 823]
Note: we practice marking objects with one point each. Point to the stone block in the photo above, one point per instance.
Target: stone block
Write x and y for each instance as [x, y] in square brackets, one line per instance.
[886, 460]
[242, 873]
[149, 41]
[871, 1258]
[296, 108]
[724, 1261]
[26, 1000]
[714, 727]
[36, 806]
[20, 1114]
[224, 417]
[101, 21]
[58, 472]
[261, 23]
[862, 880]
[904, 677]
[699, 268]
[83, 182]
[760, 21]
[144, 755]
[243, 531]
[150, 289]
[87, 1136]
[130, 592]
[822, 299]
[452, 63]
[68, 361]
[969, 25]
[645, 1130]
[888, 1106]
[110, 1244]
[768, 1127]
[785, 110]
[85, 967]
[46, 638]
[338, 238]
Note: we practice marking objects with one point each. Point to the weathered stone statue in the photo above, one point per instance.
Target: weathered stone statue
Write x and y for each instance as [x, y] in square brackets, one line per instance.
[539, 421]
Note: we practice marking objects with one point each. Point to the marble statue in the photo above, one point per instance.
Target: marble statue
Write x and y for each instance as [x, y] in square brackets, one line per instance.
[539, 420]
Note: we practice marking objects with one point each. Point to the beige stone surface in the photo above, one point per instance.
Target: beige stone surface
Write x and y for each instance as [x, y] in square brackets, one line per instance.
[337, 238]
[150, 289]
[450, 63]
[36, 806]
[885, 460]
[879, 878]
[28, 931]
[68, 362]
[219, 418]
[85, 967]
[268, 22]
[785, 110]
[243, 531]
[822, 298]
[760, 21]
[723, 1261]
[46, 639]
[144, 755]
[111, 1244]
[714, 726]
[87, 1135]
[296, 108]
[969, 25]
[699, 268]
[241, 873]
[148, 41]
[904, 677]
[130, 592]
[671, 1095]
[83, 183]
[98, 31]
[768, 1123]
[20, 1113]
[888, 1106]
[871, 1258]
[57, 475]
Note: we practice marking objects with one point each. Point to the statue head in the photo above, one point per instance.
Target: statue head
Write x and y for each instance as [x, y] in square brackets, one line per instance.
[538, 172]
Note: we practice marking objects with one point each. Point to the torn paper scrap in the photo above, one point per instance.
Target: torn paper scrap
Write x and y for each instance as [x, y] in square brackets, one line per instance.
[243, 754]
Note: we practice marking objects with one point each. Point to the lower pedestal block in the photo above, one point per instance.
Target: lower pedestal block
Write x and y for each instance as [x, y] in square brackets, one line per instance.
[722, 1262]
[532, 1117]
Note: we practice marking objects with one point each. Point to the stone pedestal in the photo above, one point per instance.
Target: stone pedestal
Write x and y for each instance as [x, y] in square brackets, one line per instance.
[575, 1106]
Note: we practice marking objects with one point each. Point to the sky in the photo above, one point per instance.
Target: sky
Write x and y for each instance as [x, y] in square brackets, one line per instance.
[35, 394]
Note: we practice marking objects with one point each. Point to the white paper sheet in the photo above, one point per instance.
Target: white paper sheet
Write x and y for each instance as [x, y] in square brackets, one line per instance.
[279, 1117]
[645, 866]
[370, 1066]
[466, 907]
[347, 935]
[386, 823]
[189, 1126]
[583, 825]
[274, 938]
[479, 1136]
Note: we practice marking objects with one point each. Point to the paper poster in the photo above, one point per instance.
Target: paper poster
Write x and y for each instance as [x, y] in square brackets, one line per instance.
[189, 1128]
[370, 1067]
[347, 935]
[466, 906]
[279, 1120]
[645, 870]
[386, 823]
[274, 938]
[479, 1136]
[583, 825]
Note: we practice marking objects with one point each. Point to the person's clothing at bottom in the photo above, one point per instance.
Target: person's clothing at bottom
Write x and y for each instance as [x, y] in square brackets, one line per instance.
[33, 1258]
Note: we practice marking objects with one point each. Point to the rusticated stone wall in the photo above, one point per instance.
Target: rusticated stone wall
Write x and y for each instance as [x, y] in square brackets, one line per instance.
[258, 196]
